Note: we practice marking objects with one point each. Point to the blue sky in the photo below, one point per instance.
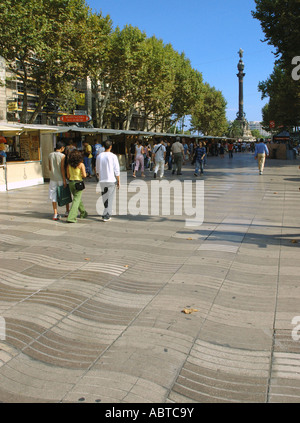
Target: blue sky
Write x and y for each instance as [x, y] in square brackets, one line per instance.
[210, 33]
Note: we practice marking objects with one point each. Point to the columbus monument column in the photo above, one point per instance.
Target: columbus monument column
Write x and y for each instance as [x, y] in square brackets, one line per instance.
[241, 75]
[241, 116]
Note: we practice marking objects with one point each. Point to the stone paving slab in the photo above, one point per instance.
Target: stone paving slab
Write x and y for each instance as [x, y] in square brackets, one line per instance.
[93, 311]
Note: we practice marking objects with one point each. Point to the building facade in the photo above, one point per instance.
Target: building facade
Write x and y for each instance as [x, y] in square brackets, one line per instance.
[257, 125]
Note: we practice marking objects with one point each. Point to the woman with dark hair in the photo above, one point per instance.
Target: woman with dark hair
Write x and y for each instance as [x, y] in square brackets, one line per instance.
[75, 172]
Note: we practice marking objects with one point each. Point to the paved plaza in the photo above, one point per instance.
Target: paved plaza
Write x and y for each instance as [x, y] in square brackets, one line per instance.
[93, 311]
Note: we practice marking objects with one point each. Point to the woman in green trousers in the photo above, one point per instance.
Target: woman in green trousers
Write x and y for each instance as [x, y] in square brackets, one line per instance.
[75, 172]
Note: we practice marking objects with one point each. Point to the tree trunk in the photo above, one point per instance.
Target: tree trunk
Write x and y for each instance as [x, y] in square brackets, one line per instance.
[41, 103]
[129, 117]
[175, 125]
[96, 115]
[104, 105]
[24, 113]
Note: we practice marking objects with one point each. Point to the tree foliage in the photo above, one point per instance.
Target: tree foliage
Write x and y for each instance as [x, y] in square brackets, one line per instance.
[280, 22]
[209, 114]
[284, 103]
[51, 45]
[48, 45]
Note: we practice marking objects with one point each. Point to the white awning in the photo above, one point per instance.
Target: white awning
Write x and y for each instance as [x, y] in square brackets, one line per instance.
[9, 130]
[18, 128]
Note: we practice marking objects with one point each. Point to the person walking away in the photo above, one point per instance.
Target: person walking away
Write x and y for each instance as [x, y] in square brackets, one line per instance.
[222, 151]
[132, 155]
[146, 156]
[230, 150]
[159, 157]
[139, 158]
[89, 156]
[57, 176]
[70, 147]
[200, 154]
[76, 172]
[261, 150]
[168, 156]
[96, 149]
[191, 150]
[108, 172]
[178, 156]
[186, 151]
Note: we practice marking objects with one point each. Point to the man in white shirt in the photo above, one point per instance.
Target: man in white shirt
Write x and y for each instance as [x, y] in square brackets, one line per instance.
[158, 157]
[108, 173]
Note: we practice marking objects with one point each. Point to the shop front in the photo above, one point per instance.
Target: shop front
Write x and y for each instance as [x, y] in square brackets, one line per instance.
[23, 165]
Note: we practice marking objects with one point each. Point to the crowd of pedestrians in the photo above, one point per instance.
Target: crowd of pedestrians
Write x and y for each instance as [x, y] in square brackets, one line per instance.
[164, 156]
[69, 167]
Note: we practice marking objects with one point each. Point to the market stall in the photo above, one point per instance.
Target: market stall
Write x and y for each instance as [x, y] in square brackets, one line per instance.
[23, 163]
[279, 147]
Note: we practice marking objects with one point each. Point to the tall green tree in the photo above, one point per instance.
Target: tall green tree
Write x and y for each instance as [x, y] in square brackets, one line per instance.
[284, 99]
[126, 59]
[209, 114]
[280, 22]
[48, 45]
[188, 88]
[156, 82]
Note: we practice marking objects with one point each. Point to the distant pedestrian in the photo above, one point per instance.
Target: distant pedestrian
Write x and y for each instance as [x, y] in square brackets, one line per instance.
[132, 154]
[186, 151]
[230, 150]
[88, 154]
[146, 156]
[261, 150]
[139, 159]
[96, 149]
[200, 154]
[76, 172]
[159, 157]
[168, 161]
[222, 151]
[3, 149]
[191, 150]
[108, 172]
[57, 177]
[178, 156]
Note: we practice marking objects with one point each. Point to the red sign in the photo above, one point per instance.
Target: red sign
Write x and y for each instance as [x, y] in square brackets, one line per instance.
[75, 118]
[272, 124]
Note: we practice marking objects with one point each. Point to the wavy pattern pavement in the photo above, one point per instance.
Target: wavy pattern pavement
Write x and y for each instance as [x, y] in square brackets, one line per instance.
[93, 311]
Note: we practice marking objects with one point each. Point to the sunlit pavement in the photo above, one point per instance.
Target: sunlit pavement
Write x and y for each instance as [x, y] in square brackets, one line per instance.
[93, 311]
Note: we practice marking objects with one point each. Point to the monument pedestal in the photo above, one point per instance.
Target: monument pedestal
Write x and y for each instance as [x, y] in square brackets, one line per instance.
[246, 134]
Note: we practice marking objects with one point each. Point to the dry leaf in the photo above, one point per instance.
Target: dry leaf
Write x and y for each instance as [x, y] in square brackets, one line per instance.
[87, 259]
[189, 310]
[294, 241]
[190, 239]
